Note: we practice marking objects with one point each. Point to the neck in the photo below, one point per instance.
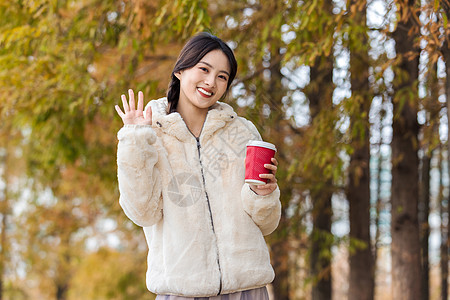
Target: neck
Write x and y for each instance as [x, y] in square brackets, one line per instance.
[193, 117]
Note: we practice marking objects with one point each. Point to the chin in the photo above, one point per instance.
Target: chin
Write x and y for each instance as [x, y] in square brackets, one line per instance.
[206, 104]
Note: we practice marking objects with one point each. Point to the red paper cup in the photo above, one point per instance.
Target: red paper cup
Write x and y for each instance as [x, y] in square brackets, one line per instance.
[258, 154]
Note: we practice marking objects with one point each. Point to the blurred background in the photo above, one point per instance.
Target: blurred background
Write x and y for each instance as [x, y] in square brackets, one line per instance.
[354, 94]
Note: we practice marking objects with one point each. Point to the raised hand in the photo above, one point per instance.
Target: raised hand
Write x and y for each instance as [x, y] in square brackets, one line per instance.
[131, 115]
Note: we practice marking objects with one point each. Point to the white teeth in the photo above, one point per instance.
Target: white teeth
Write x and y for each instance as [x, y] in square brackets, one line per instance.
[204, 92]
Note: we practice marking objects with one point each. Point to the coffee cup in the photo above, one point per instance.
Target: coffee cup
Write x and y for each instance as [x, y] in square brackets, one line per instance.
[258, 154]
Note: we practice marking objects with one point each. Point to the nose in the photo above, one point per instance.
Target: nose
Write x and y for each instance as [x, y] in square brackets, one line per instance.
[210, 80]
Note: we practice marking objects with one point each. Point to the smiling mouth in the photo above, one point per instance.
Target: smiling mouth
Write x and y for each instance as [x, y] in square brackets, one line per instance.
[205, 92]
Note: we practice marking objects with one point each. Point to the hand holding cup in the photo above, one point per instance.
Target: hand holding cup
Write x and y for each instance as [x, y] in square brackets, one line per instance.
[261, 167]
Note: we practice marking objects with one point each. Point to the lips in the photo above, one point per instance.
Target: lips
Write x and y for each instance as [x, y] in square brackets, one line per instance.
[205, 92]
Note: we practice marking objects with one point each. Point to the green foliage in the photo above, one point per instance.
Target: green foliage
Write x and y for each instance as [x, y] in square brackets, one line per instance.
[323, 241]
[183, 17]
[321, 161]
[356, 108]
[315, 28]
[45, 82]
[356, 245]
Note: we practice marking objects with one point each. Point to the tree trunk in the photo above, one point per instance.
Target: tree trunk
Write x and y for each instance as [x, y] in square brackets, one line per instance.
[63, 275]
[361, 284]
[445, 236]
[320, 259]
[424, 212]
[61, 292]
[444, 231]
[279, 257]
[429, 134]
[405, 247]
[445, 255]
[280, 240]
[320, 99]
[4, 211]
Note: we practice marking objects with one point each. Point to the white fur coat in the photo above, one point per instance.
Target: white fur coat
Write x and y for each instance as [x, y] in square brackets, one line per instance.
[203, 225]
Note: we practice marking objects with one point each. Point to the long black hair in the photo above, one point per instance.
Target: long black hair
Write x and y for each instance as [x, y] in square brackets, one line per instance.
[194, 50]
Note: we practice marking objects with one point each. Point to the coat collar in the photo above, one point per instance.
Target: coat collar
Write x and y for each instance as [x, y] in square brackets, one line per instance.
[172, 124]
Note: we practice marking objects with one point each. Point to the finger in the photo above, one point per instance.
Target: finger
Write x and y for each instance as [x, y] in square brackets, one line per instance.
[270, 177]
[131, 96]
[126, 108]
[119, 111]
[148, 114]
[274, 161]
[266, 175]
[266, 186]
[140, 106]
[270, 167]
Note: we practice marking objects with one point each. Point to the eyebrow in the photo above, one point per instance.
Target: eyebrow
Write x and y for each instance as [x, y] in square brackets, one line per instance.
[209, 65]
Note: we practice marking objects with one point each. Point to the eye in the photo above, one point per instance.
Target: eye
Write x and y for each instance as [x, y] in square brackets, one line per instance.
[203, 69]
[223, 77]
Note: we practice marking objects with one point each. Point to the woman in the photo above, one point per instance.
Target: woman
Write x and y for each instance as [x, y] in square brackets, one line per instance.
[181, 167]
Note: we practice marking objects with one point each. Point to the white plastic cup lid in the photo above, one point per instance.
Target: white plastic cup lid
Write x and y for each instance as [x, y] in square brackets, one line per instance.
[261, 144]
[255, 182]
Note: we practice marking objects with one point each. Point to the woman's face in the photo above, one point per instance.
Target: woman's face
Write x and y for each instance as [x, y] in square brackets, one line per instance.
[205, 83]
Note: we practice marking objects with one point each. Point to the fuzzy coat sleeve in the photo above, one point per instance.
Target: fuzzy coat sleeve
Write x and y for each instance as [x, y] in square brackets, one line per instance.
[139, 179]
[265, 211]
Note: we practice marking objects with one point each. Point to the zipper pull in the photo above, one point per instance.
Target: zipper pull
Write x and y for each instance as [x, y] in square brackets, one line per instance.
[198, 142]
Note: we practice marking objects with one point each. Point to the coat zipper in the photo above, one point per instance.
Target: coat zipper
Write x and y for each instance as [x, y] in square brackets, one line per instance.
[210, 212]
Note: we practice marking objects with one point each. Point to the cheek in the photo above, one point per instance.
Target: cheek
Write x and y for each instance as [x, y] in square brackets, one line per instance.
[188, 86]
[223, 90]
